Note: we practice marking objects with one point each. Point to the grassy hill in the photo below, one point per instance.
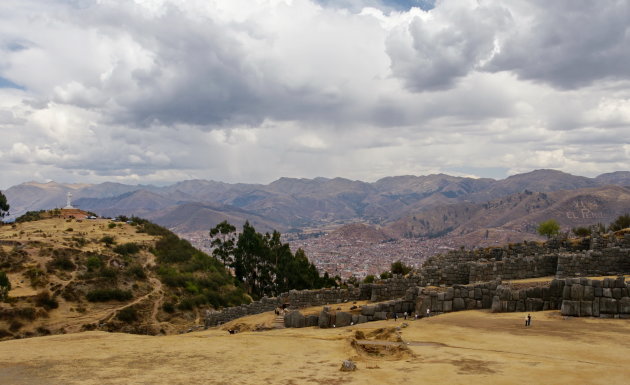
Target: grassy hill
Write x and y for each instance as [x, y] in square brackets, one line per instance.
[70, 275]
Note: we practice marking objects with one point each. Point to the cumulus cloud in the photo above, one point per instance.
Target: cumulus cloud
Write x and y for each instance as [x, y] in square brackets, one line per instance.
[241, 90]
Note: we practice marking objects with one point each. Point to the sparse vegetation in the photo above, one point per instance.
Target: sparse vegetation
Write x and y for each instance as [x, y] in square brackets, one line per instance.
[45, 300]
[127, 249]
[400, 268]
[581, 231]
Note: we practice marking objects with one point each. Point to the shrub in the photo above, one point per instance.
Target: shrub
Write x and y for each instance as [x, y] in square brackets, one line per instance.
[111, 225]
[622, 222]
[128, 314]
[103, 295]
[62, 262]
[127, 249]
[581, 231]
[108, 239]
[369, 279]
[137, 271]
[45, 300]
[168, 307]
[94, 262]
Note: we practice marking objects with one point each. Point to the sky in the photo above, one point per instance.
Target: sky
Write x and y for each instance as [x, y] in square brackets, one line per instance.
[158, 91]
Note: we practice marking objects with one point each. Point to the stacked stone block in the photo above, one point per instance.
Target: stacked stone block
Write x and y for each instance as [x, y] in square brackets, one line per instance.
[609, 298]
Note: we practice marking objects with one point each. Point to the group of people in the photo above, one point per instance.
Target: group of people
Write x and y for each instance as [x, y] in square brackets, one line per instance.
[528, 320]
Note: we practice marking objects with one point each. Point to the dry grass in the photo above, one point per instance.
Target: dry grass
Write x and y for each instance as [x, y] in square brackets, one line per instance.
[473, 347]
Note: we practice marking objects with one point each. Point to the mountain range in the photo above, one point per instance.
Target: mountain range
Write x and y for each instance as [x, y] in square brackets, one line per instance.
[403, 206]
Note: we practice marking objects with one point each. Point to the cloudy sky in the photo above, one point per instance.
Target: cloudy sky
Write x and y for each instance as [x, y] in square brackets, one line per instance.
[156, 91]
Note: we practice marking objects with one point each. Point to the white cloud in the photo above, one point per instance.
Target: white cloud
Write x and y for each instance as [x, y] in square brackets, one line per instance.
[241, 90]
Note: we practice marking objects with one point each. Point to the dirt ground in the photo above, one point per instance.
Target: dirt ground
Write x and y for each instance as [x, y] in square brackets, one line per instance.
[472, 347]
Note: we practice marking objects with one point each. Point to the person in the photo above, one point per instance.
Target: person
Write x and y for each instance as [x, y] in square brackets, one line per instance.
[428, 312]
[529, 320]
[405, 314]
[416, 316]
[395, 316]
[526, 321]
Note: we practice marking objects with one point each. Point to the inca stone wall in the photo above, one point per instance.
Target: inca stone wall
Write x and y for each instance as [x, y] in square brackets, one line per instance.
[610, 261]
[458, 269]
[609, 298]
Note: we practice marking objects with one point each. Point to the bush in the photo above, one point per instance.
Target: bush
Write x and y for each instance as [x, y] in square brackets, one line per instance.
[581, 231]
[168, 307]
[94, 263]
[127, 249]
[137, 271]
[128, 314]
[108, 239]
[369, 279]
[45, 300]
[104, 295]
[111, 225]
[62, 262]
[622, 222]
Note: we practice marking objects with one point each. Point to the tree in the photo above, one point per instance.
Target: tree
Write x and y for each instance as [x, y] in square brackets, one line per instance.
[223, 242]
[548, 228]
[400, 268]
[581, 231]
[622, 222]
[4, 206]
[5, 286]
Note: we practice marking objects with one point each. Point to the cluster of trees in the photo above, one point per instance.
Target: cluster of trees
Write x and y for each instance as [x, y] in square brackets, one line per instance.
[262, 263]
[4, 205]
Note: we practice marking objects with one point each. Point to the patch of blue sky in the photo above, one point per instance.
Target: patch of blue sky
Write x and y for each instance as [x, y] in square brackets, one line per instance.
[6, 83]
[397, 5]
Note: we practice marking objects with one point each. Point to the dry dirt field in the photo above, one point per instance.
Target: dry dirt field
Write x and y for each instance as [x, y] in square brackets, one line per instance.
[472, 347]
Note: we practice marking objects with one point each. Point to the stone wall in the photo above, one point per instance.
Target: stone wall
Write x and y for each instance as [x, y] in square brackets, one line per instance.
[460, 268]
[583, 297]
[609, 261]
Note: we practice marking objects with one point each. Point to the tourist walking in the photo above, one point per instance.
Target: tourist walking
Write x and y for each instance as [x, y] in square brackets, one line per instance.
[529, 320]
[428, 312]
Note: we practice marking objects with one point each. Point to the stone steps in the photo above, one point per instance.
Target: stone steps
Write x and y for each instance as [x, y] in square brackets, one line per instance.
[278, 322]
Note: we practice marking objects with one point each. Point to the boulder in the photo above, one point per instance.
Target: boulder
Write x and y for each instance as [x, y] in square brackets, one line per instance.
[343, 319]
[312, 320]
[447, 306]
[368, 310]
[294, 319]
[586, 309]
[348, 366]
[589, 293]
[324, 320]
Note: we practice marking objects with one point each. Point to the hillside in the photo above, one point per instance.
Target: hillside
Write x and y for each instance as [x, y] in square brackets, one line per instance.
[70, 275]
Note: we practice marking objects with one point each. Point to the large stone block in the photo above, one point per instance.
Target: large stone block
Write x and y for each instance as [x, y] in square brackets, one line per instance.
[586, 308]
[447, 306]
[570, 308]
[566, 292]
[624, 305]
[596, 307]
[496, 304]
[363, 319]
[520, 305]
[294, 319]
[616, 293]
[448, 296]
[343, 319]
[608, 306]
[577, 292]
[607, 292]
[324, 320]
[470, 303]
[458, 304]
[589, 293]
[380, 315]
[598, 291]
[312, 320]
[368, 310]
[511, 306]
